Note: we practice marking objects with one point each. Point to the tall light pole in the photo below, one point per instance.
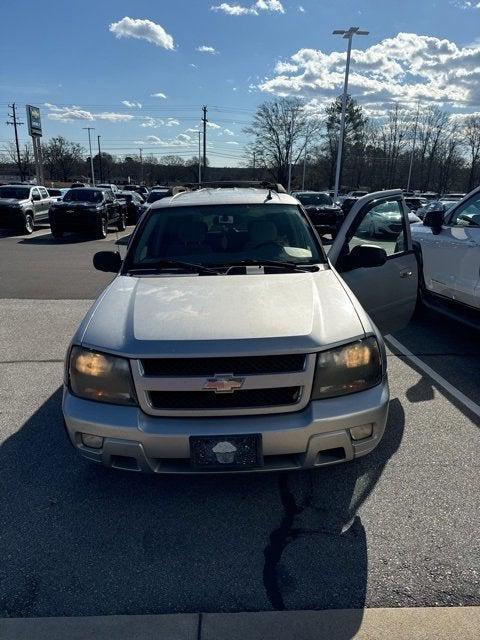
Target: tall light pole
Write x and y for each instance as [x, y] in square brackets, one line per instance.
[199, 158]
[141, 166]
[413, 147]
[347, 34]
[91, 156]
[100, 160]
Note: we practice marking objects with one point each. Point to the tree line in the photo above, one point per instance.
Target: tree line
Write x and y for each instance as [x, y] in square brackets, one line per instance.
[287, 136]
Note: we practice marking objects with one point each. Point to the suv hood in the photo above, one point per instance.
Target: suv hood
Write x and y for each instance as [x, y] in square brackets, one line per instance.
[11, 201]
[221, 315]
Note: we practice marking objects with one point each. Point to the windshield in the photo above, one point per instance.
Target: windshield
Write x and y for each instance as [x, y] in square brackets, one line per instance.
[225, 234]
[153, 196]
[83, 195]
[314, 198]
[18, 193]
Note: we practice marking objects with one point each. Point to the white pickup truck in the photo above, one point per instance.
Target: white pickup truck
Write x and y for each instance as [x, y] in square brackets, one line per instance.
[448, 248]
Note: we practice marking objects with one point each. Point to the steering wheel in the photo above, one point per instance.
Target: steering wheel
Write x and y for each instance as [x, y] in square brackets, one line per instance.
[268, 243]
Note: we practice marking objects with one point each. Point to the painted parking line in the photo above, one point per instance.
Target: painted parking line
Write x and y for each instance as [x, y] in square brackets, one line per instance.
[441, 382]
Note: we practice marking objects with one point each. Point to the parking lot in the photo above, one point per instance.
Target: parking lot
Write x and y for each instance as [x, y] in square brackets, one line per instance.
[394, 529]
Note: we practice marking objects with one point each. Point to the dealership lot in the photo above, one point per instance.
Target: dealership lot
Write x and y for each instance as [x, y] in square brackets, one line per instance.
[396, 528]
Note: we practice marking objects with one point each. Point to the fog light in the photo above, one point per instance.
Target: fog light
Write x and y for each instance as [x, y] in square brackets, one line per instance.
[94, 442]
[361, 432]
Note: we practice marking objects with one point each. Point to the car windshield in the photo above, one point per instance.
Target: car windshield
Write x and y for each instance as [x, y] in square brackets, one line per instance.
[83, 195]
[153, 196]
[314, 198]
[225, 235]
[18, 193]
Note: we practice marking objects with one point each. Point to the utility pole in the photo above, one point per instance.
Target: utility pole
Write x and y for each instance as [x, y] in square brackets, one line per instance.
[413, 147]
[290, 152]
[16, 124]
[199, 158]
[100, 159]
[204, 119]
[348, 35]
[141, 166]
[254, 165]
[304, 166]
[91, 156]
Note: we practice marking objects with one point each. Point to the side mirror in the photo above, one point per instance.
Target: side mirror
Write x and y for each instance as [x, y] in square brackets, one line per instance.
[36, 196]
[434, 219]
[367, 255]
[109, 261]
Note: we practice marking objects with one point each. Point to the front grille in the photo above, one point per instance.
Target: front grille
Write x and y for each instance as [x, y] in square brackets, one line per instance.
[255, 365]
[252, 398]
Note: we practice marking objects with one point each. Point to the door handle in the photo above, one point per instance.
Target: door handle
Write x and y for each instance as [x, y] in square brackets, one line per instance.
[406, 274]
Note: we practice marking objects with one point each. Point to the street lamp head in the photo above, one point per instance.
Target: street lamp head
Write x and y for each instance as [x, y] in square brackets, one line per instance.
[349, 33]
[338, 32]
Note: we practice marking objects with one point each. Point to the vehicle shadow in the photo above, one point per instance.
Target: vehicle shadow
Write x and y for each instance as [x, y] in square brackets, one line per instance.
[82, 540]
[67, 238]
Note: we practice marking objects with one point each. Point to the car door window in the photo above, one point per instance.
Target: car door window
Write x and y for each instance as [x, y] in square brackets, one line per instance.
[467, 214]
[382, 224]
[35, 194]
[44, 192]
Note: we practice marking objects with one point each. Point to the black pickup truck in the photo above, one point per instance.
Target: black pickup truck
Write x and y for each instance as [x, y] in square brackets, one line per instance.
[88, 210]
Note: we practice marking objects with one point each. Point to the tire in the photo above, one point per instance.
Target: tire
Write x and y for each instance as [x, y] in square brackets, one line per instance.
[101, 230]
[57, 232]
[122, 222]
[28, 224]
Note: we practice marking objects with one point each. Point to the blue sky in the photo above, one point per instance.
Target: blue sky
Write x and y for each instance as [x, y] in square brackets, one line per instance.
[67, 58]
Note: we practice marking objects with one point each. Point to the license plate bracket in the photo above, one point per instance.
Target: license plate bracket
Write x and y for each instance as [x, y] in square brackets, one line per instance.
[226, 452]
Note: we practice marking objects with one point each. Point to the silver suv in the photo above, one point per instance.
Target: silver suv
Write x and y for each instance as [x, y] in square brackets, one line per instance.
[229, 341]
[22, 205]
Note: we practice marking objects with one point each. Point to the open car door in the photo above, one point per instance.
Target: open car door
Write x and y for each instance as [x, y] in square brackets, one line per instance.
[373, 254]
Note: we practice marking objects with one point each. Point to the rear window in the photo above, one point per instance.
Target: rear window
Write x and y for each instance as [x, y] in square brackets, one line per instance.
[226, 234]
[153, 196]
[17, 193]
[83, 195]
[314, 199]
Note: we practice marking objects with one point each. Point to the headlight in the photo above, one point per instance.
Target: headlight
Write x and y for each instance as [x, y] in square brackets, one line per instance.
[347, 369]
[101, 377]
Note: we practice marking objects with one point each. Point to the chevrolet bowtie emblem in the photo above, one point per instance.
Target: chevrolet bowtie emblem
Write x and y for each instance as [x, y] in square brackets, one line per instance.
[223, 383]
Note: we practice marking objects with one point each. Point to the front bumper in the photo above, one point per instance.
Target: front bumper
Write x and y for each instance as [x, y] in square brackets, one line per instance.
[314, 437]
[11, 217]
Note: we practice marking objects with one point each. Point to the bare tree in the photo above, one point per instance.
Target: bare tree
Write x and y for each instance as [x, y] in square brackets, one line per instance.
[471, 134]
[25, 166]
[63, 159]
[280, 129]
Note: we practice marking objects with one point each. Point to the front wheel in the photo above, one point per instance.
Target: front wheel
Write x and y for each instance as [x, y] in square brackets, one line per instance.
[28, 224]
[102, 229]
[57, 232]
[122, 223]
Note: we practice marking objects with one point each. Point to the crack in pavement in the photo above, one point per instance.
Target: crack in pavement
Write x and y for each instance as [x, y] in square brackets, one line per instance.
[280, 538]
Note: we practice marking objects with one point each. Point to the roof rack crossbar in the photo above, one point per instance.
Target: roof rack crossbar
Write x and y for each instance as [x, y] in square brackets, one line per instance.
[232, 184]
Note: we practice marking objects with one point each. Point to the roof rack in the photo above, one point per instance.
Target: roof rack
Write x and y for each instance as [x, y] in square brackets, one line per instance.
[245, 184]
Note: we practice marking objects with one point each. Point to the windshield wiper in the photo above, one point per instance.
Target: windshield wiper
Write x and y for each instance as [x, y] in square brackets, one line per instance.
[280, 264]
[158, 265]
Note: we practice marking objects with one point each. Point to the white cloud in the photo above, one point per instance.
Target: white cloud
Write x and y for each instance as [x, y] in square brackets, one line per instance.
[70, 114]
[158, 95]
[206, 49]
[142, 29]
[172, 122]
[228, 132]
[466, 4]
[253, 10]
[191, 130]
[234, 9]
[193, 65]
[213, 125]
[149, 122]
[301, 9]
[132, 105]
[404, 68]
[231, 142]
[182, 140]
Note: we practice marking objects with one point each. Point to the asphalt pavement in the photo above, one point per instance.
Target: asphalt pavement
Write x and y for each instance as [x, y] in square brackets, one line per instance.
[398, 528]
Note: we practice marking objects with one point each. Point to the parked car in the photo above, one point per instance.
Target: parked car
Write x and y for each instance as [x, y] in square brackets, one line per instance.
[430, 195]
[453, 196]
[385, 220]
[78, 185]
[143, 191]
[324, 215]
[356, 194]
[57, 194]
[229, 341]
[448, 248]
[23, 205]
[415, 202]
[154, 196]
[435, 205]
[133, 201]
[107, 185]
[88, 210]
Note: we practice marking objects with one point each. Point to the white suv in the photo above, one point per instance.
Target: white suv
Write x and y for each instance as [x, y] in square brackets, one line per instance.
[448, 247]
